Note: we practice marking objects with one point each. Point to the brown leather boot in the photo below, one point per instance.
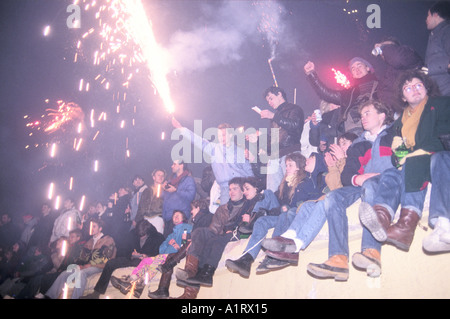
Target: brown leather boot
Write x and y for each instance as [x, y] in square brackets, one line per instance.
[190, 292]
[173, 259]
[376, 219]
[163, 289]
[401, 234]
[190, 268]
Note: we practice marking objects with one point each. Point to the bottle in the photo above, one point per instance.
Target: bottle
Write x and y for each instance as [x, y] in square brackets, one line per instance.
[184, 240]
[400, 152]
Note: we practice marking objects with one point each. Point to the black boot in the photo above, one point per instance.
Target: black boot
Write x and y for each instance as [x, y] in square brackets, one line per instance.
[204, 277]
[163, 288]
[241, 265]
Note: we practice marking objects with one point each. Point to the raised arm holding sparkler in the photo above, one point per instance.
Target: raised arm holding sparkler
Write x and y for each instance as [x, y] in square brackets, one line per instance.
[363, 87]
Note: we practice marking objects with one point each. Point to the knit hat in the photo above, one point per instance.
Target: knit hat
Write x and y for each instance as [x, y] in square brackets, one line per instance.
[358, 59]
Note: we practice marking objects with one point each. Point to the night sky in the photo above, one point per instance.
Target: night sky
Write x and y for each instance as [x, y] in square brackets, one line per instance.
[220, 53]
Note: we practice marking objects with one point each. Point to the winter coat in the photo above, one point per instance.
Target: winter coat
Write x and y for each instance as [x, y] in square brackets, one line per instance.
[140, 203]
[311, 188]
[150, 246]
[180, 199]
[362, 90]
[227, 217]
[104, 250]
[61, 226]
[176, 234]
[434, 122]
[202, 219]
[289, 118]
[42, 231]
[437, 56]
[398, 58]
[364, 156]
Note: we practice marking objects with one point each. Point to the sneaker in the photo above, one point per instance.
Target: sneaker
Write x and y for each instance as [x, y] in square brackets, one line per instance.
[439, 239]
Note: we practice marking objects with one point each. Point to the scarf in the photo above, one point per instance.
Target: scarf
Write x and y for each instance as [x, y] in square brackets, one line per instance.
[177, 179]
[410, 122]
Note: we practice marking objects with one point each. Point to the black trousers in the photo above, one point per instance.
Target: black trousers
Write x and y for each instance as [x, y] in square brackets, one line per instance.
[207, 246]
[40, 283]
[111, 265]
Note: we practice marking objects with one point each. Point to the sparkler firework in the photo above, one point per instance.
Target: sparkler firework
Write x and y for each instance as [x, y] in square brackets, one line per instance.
[341, 78]
[117, 41]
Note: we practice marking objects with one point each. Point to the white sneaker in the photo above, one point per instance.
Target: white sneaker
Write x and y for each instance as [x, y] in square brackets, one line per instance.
[439, 239]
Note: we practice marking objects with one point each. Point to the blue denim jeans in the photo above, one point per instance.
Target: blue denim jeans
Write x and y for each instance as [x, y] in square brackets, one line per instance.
[391, 193]
[262, 226]
[75, 276]
[440, 194]
[309, 221]
[336, 204]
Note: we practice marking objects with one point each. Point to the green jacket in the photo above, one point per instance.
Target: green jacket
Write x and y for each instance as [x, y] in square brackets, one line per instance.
[434, 122]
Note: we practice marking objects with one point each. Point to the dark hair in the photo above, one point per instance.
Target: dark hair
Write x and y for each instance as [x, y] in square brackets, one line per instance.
[380, 108]
[145, 228]
[254, 181]
[182, 214]
[348, 136]
[138, 177]
[200, 203]
[99, 222]
[430, 85]
[237, 180]
[300, 162]
[275, 90]
[390, 39]
[442, 8]
[76, 231]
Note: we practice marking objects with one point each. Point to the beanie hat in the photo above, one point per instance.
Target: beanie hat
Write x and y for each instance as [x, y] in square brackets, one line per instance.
[358, 59]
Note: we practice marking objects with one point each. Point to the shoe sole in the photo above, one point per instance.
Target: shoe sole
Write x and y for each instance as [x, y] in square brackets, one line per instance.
[398, 244]
[273, 245]
[372, 268]
[369, 219]
[323, 272]
[193, 282]
[275, 256]
[235, 269]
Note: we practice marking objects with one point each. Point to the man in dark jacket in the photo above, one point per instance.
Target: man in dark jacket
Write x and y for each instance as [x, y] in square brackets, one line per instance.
[178, 194]
[397, 58]
[44, 227]
[437, 56]
[289, 118]
[363, 88]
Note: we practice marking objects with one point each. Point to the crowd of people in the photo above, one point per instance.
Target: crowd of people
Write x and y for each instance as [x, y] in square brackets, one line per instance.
[383, 141]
